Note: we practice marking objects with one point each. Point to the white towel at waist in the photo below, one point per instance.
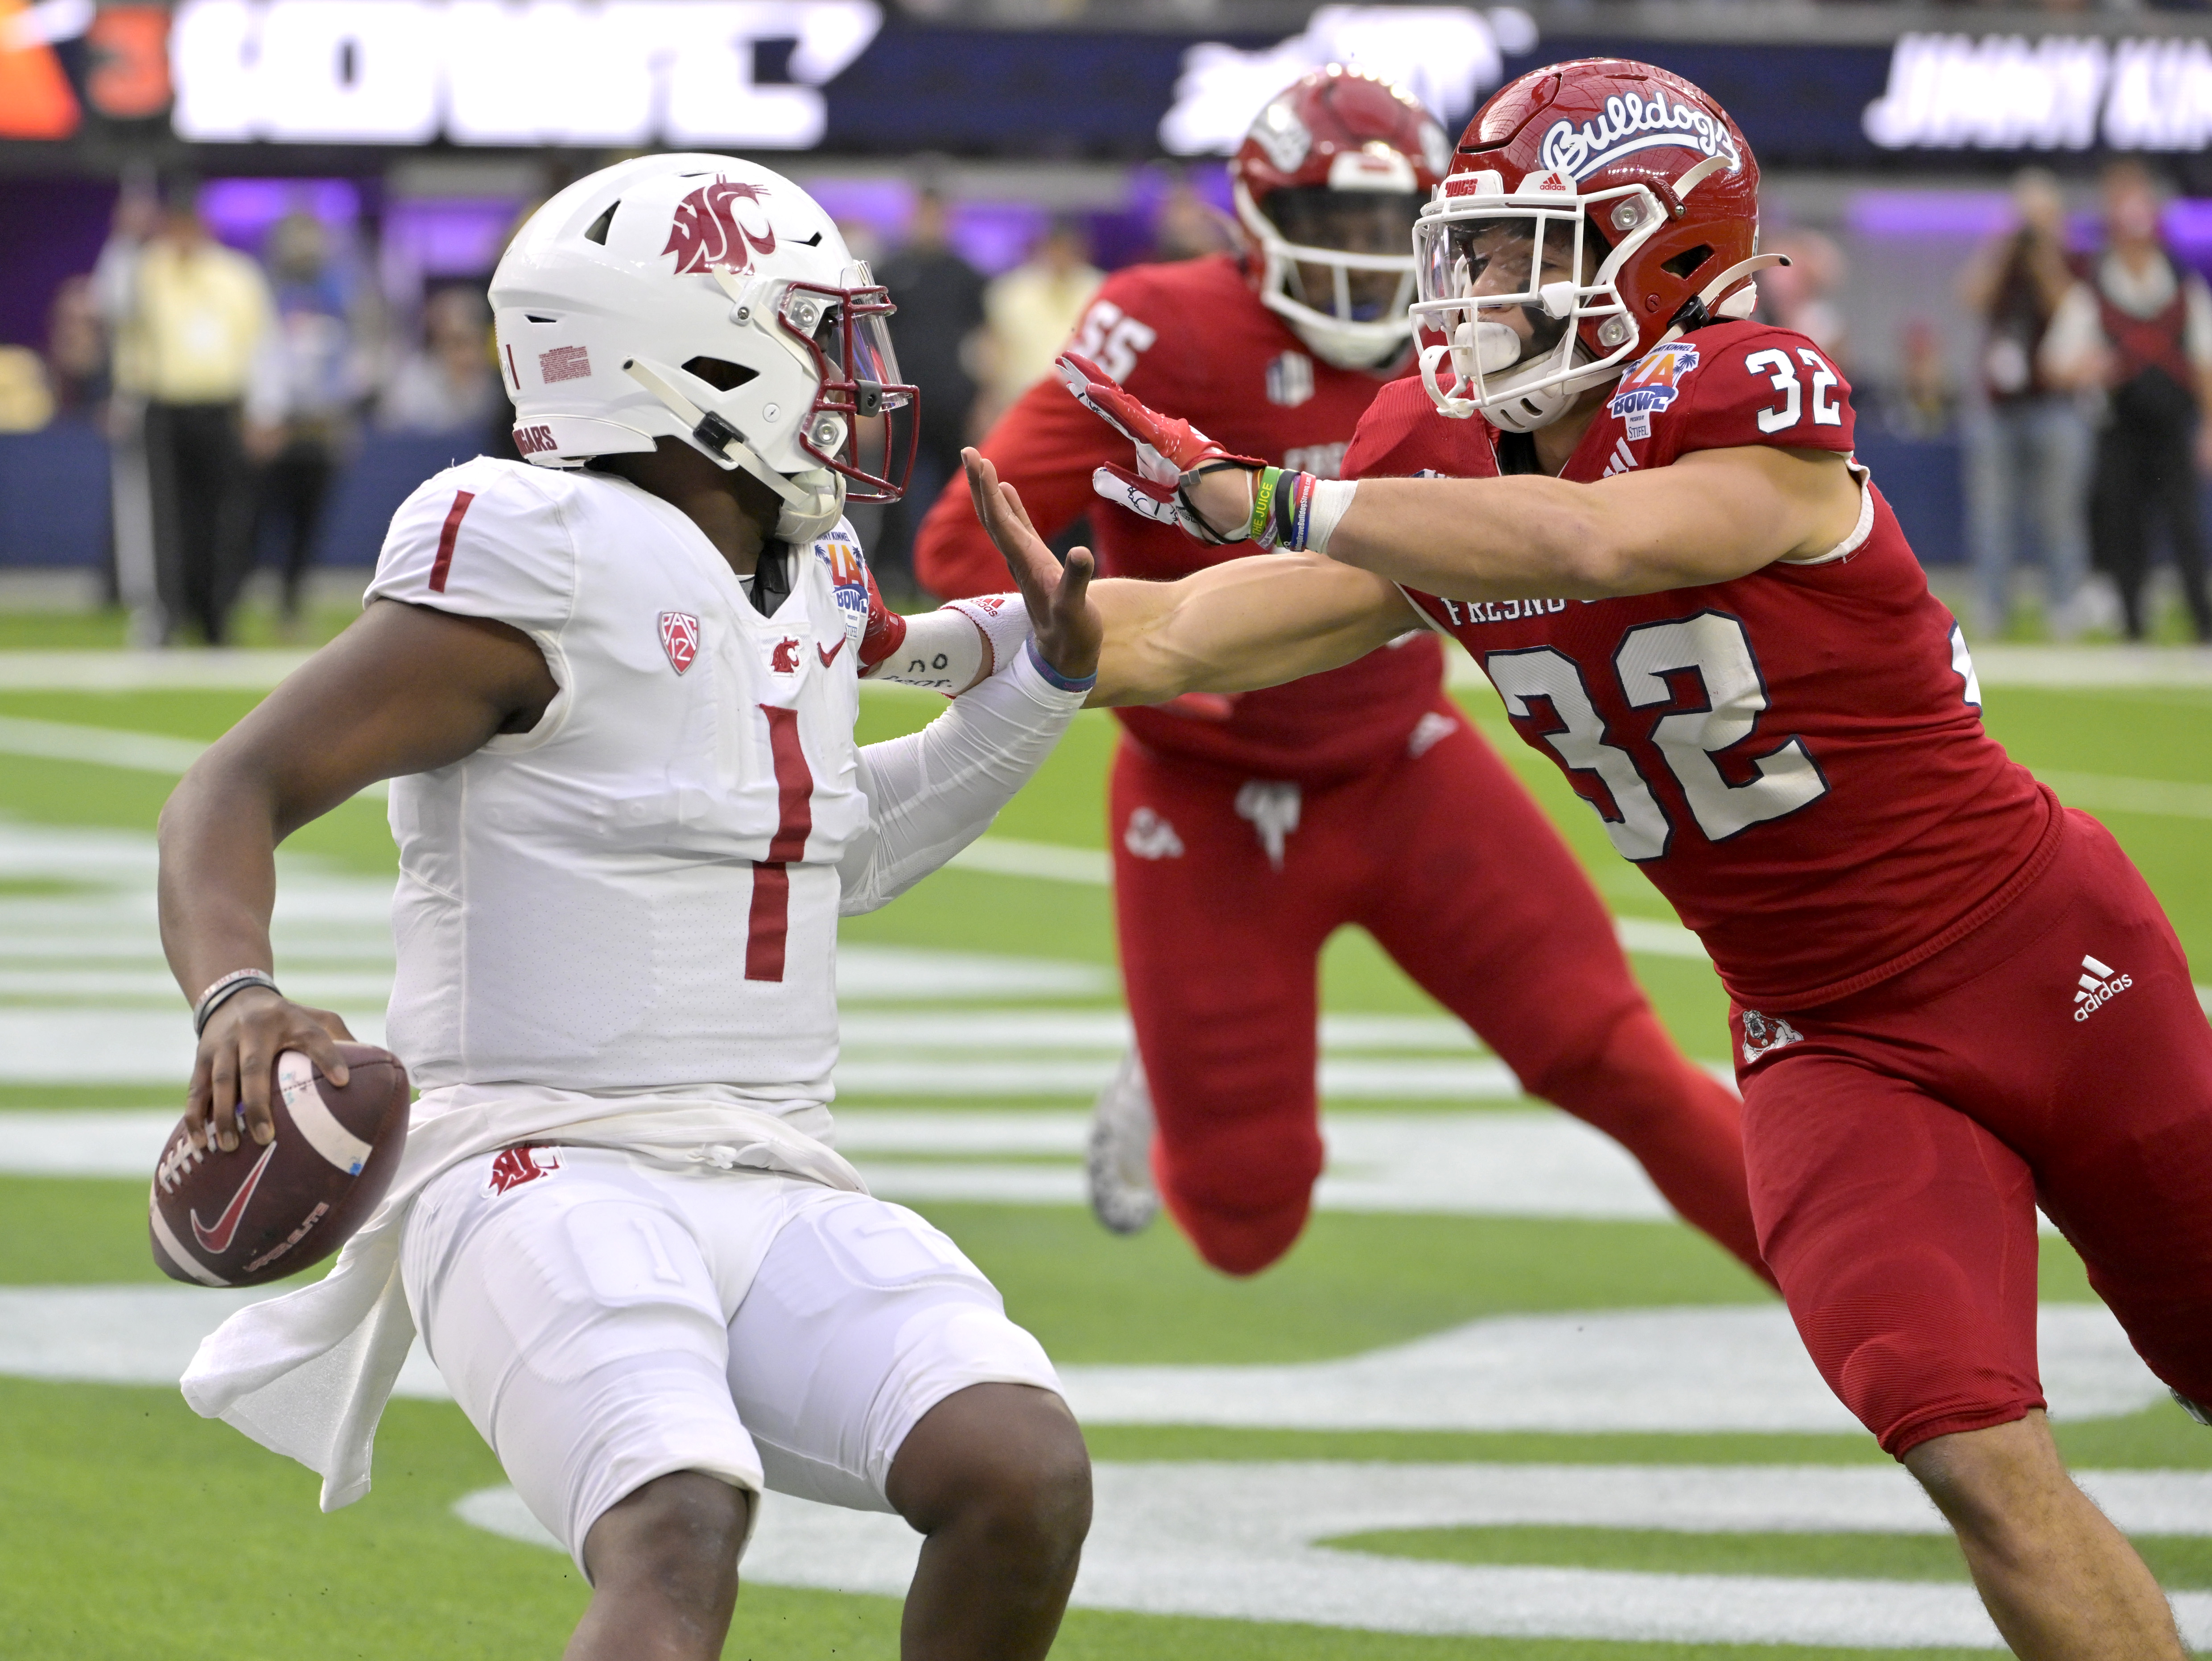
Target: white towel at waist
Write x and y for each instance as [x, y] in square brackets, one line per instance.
[307, 1374]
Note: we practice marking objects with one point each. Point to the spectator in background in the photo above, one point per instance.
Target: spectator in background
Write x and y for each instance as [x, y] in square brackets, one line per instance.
[2027, 442]
[1030, 311]
[449, 383]
[1188, 227]
[132, 577]
[77, 352]
[1797, 295]
[939, 297]
[2139, 326]
[192, 317]
[1923, 402]
[306, 384]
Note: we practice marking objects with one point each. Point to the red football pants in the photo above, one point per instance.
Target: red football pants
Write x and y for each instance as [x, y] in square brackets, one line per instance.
[1444, 858]
[1899, 1142]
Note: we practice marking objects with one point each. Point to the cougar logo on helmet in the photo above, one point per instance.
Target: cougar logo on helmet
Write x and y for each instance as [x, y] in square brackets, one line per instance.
[706, 232]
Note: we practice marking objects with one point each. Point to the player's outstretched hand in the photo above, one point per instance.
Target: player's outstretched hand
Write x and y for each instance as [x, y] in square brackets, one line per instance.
[1063, 619]
[1184, 478]
[237, 1062]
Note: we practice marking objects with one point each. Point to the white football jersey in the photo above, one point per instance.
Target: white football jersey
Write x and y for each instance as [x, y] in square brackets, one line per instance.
[640, 892]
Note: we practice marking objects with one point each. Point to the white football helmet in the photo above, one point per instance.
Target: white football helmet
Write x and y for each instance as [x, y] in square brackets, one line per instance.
[706, 299]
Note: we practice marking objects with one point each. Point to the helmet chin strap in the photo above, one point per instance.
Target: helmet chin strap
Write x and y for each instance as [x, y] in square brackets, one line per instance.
[810, 509]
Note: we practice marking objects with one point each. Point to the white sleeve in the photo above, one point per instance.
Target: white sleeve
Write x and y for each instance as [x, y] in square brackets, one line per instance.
[932, 792]
[481, 542]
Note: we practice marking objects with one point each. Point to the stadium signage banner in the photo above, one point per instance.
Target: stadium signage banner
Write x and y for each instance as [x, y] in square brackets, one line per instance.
[488, 72]
[2058, 93]
[863, 77]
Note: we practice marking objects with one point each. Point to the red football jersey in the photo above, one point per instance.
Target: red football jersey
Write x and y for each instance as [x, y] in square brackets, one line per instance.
[1796, 756]
[1193, 339]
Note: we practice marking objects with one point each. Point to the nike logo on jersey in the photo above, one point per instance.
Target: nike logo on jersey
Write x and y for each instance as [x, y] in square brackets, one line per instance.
[218, 1238]
[2100, 984]
[830, 656]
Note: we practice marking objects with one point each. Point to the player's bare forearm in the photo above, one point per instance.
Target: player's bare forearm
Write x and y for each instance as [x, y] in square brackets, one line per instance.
[403, 690]
[1714, 515]
[1241, 625]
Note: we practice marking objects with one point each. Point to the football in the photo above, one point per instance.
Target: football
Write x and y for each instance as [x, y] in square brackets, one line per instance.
[258, 1213]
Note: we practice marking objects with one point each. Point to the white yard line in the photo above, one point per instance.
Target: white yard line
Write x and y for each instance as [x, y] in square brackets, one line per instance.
[1505, 1163]
[1719, 1369]
[1245, 1541]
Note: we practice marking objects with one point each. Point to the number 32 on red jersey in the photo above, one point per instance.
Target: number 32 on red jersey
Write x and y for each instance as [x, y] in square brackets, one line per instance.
[1692, 743]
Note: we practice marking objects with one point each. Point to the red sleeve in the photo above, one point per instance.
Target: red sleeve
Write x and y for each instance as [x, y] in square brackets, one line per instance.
[1047, 445]
[1403, 434]
[1754, 384]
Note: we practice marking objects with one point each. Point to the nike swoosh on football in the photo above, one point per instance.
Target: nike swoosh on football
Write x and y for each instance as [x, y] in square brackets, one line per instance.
[830, 656]
[217, 1239]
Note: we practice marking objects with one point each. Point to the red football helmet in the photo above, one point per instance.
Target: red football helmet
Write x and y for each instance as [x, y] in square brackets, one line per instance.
[1330, 179]
[1595, 209]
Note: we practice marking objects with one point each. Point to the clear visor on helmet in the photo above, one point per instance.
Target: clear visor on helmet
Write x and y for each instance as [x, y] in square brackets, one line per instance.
[1505, 288]
[864, 420]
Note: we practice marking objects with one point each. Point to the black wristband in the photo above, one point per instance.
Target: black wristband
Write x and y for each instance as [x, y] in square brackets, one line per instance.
[224, 990]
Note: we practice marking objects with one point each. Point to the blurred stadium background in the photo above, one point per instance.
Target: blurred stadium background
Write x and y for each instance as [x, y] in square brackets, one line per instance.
[1536, 1418]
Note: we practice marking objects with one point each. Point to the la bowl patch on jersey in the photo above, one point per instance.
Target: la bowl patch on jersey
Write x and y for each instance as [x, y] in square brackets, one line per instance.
[848, 576]
[1651, 385]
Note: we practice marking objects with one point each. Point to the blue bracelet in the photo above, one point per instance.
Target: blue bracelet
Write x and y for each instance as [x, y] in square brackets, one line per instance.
[1066, 683]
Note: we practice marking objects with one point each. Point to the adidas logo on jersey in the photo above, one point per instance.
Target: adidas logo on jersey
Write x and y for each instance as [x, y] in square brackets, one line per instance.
[1621, 461]
[2100, 984]
[1765, 1034]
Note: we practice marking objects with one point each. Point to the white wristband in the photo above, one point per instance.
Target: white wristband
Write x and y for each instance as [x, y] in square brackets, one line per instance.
[1005, 621]
[1331, 497]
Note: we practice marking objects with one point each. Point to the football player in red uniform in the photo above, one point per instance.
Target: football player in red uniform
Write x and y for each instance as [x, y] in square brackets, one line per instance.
[1245, 831]
[1955, 999]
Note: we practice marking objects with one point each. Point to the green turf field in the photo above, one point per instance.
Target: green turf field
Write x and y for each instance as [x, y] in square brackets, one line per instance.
[130, 1528]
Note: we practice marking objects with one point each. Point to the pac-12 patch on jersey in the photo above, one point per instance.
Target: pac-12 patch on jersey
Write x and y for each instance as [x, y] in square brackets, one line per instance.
[679, 638]
[1651, 385]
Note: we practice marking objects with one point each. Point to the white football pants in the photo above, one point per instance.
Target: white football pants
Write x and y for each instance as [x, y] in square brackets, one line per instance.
[604, 1320]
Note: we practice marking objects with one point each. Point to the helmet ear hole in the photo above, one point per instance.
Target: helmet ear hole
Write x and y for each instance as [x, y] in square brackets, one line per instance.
[719, 373]
[1687, 261]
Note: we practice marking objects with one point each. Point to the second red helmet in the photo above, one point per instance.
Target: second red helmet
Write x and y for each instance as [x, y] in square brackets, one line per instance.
[1326, 182]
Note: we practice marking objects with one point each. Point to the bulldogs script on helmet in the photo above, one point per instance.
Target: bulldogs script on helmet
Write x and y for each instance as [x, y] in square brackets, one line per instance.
[705, 231]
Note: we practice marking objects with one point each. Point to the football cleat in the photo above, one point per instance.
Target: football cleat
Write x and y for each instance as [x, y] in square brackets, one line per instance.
[1117, 1165]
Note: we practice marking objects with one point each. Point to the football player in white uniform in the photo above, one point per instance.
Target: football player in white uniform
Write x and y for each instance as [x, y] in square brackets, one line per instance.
[616, 694]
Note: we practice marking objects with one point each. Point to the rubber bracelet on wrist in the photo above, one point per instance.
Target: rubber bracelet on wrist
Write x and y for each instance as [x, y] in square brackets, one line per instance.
[1066, 683]
[1263, 505]
[224, 990]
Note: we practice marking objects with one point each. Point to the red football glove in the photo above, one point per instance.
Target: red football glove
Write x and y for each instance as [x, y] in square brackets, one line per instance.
[885, 631]
[1172, 456]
